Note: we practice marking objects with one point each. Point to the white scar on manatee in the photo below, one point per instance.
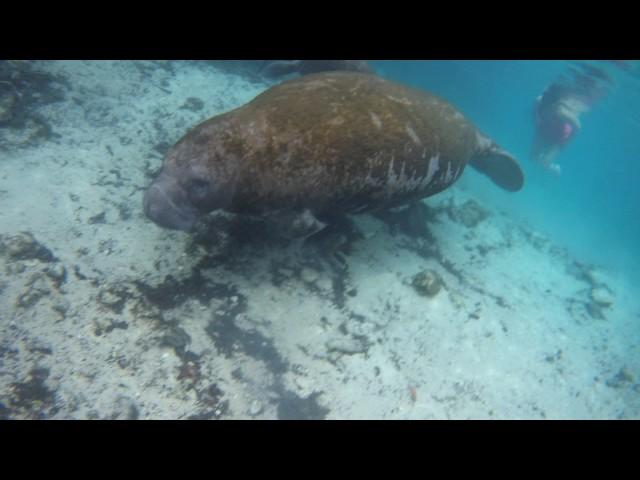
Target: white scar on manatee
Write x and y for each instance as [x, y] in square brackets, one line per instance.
[456, 174]
[434, 166]
[448, 177]
[336, 121]
[412, 134]
[404, 183]
[404, 101]
[361, 208]
[376, 120]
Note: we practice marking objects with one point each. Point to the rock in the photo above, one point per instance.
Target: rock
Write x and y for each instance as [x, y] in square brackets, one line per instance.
[93, 415]
[176, 338]
[594, 310]
[428, 283]
[7, 104]
[552, 358]
[124, 408]
[359, 326]
[580, 272]
[15, 268]
[113, 298]
[25, 247]
[621, 379]
[108, 298]
[33, 396]
[144, 310]
[284, 272]
[457, 300]
[594, 276]
[255, 408]
[308, 275]
[37, 288]
[470, 214]
[350, 346]
[602, 296]
[99, 325]
[538, 240]
[100, 218]
[61, 306]
[57, 273]
[193, 104]
[106, 325]
[325, 283]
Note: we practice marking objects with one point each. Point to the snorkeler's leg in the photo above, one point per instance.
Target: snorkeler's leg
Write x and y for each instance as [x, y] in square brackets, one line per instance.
[544, 153]
[548, 160]
[538, 150]
[555, 168]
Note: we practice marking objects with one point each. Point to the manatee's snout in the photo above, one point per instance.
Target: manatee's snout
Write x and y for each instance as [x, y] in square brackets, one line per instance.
[166, 204]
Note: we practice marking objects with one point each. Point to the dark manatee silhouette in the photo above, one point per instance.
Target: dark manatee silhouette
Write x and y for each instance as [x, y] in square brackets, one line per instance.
[279, 68]
[321, 146]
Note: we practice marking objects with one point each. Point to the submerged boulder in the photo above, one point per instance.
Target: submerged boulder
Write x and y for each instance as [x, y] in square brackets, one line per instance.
[428, 283]
[469, 214]
[7, 104]
[602, 296]
[24, 246]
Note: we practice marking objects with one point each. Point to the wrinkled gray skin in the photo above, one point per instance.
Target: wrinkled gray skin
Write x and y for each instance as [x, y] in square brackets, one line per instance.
[321, 146]
[169, 205]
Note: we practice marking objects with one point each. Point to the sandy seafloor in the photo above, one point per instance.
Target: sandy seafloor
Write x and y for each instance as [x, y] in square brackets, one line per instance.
[105, 315]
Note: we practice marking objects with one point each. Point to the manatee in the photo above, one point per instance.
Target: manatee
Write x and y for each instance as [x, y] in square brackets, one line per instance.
[319, 147]
[280, 68]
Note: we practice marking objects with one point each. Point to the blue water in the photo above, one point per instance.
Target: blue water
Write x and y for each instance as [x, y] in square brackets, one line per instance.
[593, 207]
[185, 326]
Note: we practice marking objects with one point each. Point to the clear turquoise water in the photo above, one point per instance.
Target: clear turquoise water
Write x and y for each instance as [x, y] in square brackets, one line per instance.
[593, 208]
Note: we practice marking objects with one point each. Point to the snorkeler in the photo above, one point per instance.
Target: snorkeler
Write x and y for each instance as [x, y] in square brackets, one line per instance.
[558, 110]
[557, 122]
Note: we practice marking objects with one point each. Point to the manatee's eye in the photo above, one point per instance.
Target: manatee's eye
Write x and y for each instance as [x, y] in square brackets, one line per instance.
[198, 191]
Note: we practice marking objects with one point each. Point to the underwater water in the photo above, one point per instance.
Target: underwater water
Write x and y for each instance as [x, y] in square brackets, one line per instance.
[474, 303]
[594, 206]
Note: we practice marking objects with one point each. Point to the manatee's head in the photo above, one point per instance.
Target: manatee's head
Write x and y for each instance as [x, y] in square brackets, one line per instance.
[182, 193]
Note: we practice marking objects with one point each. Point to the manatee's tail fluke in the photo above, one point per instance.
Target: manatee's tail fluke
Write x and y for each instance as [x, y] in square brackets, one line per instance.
[501, 168]
[498, 165]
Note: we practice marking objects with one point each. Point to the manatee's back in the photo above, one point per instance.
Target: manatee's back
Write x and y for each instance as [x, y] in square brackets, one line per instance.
[348, 141]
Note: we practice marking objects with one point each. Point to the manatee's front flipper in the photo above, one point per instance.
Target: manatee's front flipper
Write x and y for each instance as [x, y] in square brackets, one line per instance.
[295, 224]
[499, 166]
[279, 68]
